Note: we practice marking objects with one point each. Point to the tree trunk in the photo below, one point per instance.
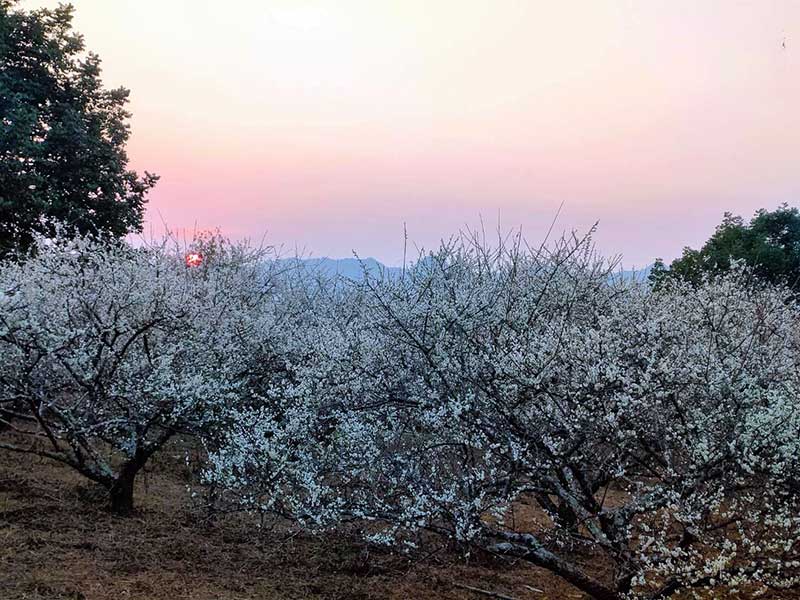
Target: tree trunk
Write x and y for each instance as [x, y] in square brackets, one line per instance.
[122, 492]
[528, 548]
[121, 489]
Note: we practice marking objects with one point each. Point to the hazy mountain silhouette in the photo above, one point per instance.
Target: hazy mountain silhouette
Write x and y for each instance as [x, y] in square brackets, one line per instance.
[637, 274]
[354, 268]
[351, 268]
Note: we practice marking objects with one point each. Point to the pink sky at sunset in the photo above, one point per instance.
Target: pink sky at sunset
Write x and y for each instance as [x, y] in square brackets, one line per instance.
[330, 124]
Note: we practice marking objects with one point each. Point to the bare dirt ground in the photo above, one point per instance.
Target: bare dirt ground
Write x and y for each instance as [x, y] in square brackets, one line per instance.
[58, 541]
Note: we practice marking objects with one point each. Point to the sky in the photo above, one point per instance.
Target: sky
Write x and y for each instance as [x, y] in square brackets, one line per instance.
[328, 125]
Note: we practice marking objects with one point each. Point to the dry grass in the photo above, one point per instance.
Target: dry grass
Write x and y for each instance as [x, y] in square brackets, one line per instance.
[58, 541]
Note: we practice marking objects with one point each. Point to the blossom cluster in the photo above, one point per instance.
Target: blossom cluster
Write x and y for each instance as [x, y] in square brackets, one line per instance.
[107, 350]
[657, 429]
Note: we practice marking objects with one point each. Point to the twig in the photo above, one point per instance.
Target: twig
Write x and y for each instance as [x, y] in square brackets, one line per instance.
[488, 593]
[533, 589]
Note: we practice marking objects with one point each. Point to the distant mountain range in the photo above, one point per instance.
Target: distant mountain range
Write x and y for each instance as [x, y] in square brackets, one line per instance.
[353, 268]
[637, 274]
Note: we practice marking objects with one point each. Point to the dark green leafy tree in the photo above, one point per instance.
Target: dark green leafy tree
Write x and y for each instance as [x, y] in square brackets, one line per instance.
[658, 272]
[769, 244]
[62, 134]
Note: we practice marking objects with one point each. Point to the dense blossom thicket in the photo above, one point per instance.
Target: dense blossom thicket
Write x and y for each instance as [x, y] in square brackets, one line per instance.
[659, 432]
[656, 432]
[107, 351]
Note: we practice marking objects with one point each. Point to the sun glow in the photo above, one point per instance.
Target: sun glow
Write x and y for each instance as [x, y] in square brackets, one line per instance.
[330, 123]
[194, 259]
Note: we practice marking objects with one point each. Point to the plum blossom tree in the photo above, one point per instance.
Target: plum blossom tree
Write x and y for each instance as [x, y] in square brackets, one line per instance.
[658, 431]
[108, 351]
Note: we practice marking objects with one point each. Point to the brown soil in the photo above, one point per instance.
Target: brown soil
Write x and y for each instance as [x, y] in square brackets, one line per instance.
[57, 540]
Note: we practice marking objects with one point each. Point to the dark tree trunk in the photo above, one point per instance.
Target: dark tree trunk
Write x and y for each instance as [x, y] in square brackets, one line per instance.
[121, 488]
[121, 492]
[528, 548]
[567, 517]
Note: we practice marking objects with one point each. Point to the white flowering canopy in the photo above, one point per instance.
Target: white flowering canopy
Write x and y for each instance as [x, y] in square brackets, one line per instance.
[107, 351]
[657, 430]
[660, 429]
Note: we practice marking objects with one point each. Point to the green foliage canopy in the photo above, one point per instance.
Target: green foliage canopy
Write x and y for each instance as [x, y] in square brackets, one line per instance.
[62, 134]
[769, 244]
